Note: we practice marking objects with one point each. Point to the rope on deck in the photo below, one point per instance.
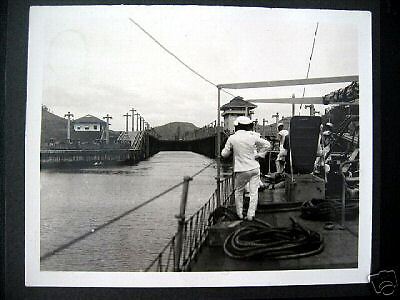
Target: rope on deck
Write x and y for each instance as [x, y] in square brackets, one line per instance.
[260, 239]
[115, 219]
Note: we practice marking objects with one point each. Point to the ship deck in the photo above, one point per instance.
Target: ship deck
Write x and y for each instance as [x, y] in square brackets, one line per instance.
[340, 245]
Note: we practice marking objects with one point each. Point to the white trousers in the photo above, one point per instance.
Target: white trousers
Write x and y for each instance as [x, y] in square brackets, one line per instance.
[280, 161]
[241, 179]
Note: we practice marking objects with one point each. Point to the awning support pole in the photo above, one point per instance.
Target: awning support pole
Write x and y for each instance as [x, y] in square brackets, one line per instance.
[218, 149]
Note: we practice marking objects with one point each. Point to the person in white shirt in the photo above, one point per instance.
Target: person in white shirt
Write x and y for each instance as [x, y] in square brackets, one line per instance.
[246, 167]
[280, 160]
[325, 141]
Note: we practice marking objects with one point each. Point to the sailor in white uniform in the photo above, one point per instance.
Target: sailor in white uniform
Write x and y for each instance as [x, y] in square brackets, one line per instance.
[246, 167]
[280, 160]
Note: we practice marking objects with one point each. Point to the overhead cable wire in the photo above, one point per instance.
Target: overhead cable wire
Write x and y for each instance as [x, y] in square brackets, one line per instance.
[309, 62]
[176, 57]
[115, 219]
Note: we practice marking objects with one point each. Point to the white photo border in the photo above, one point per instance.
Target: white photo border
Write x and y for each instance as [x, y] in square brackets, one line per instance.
[35, 277]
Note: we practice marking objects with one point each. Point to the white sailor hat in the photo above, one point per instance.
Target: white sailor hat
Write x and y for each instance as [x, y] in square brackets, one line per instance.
[329, 124]
[327, 132]
[242, 120]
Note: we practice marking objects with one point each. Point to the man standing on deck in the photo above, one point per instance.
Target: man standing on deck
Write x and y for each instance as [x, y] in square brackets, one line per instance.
[280, 160]
[246, 167]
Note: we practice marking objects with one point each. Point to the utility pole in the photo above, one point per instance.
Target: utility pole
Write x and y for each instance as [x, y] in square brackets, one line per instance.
[127, 118]
[276, 116]
[69, 116]
[264, 121]
[137, 121]
[133, 118]
[140, 123]
[108, 117]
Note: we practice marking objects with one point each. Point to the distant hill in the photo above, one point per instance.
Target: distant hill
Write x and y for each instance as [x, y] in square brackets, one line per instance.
[53, 127]
[174, 130]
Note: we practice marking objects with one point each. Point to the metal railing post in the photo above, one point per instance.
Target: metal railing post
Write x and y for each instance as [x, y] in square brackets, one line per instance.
[181, 224]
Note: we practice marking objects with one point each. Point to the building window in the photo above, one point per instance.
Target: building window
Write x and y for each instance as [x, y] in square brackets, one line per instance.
[95, 127]
[78, 127]
[86, 127]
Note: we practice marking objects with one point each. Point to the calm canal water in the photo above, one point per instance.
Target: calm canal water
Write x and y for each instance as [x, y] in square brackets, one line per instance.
[75, 201]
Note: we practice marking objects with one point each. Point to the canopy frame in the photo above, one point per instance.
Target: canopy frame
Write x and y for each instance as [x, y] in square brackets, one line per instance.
[293, 101]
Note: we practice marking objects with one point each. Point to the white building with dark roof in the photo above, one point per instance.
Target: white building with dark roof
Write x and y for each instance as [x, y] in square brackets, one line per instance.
[235, 108]
[89, 123]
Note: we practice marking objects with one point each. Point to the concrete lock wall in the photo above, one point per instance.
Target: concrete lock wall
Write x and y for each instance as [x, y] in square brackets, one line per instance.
[149, 146]
[204, 146]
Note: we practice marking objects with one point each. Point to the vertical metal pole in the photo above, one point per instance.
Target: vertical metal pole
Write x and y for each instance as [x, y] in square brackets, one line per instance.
[127, 121]
[107, 133]
[323, 154]
[69, 115]
[263, 131]
[181, 224]
[293, 106]
[107, 117]
[343, 201]
[133, 118]
[68, 129]
[269, 162]
[290, 156]
[218, 150]
[343, 216]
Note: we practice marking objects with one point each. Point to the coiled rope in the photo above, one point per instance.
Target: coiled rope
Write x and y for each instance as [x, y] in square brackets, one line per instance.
[258, 238]
[115, 219]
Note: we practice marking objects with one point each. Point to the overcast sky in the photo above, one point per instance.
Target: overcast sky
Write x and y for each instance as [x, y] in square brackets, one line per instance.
[96, 61]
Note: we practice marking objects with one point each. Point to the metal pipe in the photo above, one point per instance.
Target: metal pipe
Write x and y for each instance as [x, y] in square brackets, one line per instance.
[218, 150]
[293, 105]
[181, 224]
[291, 82]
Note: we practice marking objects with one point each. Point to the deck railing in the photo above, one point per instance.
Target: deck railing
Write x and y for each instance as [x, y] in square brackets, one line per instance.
[178, 256]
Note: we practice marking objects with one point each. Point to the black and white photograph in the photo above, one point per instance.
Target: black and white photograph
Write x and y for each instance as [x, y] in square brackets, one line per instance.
[198, 146]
